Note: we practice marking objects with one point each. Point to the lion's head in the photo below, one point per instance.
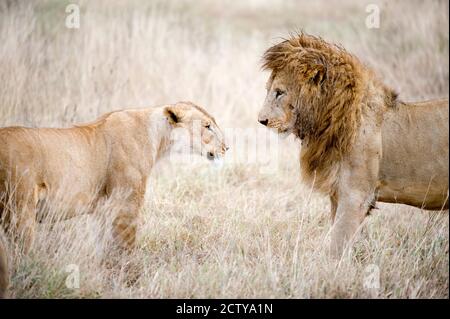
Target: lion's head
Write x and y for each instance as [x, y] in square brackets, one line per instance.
[198, 128]
[314, 92]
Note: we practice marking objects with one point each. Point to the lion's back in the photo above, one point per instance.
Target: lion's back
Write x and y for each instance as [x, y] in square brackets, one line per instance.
[416, 154]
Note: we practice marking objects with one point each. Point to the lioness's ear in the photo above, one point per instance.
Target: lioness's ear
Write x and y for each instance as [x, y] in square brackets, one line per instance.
[172, 115]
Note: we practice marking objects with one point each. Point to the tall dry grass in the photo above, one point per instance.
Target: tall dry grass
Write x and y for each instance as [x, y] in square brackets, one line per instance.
[235, 232]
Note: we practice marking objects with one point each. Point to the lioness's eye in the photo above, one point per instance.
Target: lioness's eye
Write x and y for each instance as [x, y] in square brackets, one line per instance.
[278, 93]
[208, 126]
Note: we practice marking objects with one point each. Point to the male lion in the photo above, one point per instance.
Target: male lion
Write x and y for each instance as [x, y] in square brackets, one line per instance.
[360, 144]
[113, 155]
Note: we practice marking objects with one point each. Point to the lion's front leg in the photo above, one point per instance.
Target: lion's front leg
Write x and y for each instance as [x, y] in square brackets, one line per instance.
[349, 217]
[355, 191]
[353, 201]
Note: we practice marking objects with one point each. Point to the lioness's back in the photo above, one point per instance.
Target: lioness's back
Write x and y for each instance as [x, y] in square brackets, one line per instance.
[47, 155]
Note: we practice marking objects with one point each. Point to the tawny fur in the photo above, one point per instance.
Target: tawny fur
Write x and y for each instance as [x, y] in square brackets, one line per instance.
[88, 163]
[360, 143]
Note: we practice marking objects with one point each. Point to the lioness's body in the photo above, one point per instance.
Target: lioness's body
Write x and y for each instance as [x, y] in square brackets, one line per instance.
[77, 165]
[81, 165]
[422, 179]
[74, 159]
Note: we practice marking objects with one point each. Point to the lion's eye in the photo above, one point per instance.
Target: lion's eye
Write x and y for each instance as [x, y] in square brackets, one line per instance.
[208, 126]
[278, 93]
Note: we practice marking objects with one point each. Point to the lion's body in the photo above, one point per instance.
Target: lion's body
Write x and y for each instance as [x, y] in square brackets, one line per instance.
[83, 164]
[415, 156]
[359, 143]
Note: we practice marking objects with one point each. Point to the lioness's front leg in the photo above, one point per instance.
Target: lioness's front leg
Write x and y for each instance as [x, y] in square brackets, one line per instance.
[126, 221]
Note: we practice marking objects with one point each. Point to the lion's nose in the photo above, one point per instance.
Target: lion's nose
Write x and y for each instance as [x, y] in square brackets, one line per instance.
[264, 122]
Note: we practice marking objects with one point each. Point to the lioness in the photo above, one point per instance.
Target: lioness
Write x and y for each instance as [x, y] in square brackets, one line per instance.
[360, 144]
[115, 154]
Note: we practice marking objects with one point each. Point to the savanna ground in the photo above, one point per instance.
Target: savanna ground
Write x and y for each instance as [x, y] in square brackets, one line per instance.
[239, 231]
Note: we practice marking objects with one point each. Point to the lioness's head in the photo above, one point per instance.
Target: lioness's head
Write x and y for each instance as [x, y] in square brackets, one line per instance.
[311, 83]
[204, 137]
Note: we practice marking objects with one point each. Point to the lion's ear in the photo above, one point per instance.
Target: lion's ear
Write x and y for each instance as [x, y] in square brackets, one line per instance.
[172, 114]
[314, 67]
[317, 74]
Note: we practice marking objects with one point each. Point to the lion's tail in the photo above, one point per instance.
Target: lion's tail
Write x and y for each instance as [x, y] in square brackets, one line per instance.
[4, 271]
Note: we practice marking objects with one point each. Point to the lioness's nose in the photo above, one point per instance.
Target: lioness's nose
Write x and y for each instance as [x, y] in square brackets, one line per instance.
[264, 122]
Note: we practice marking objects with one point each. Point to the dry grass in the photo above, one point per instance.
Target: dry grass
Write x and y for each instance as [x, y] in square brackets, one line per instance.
[235, 232]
